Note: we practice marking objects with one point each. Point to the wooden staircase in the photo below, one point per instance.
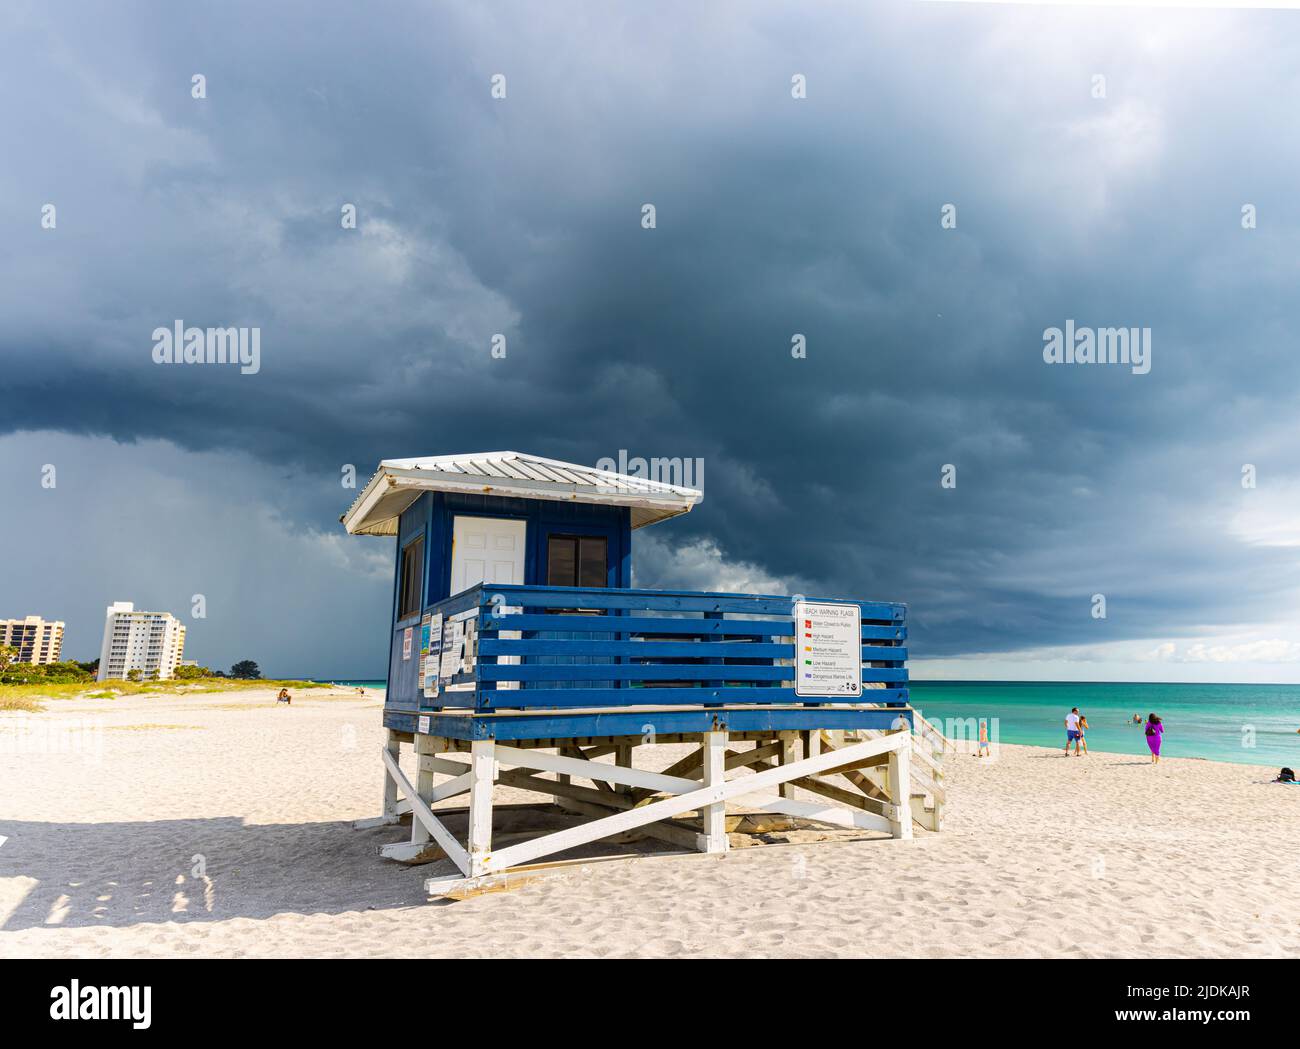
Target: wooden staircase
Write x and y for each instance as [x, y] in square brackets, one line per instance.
[928, 796]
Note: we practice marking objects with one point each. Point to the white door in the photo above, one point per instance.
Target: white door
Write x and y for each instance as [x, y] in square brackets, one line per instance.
[489, 550]
[486, 550]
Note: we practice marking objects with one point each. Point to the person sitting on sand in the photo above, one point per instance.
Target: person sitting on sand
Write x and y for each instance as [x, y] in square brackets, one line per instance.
[1285, 776]
[1071, 729]
[1081, 742]
[1155, 730]
[284, 696]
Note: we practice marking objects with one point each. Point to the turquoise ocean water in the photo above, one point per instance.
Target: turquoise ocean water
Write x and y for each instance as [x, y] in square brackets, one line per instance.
[1249, 724]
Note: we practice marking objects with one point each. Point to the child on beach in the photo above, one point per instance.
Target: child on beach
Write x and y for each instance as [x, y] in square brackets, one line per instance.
[983, 751]
[1081, 742]
[1155, 730]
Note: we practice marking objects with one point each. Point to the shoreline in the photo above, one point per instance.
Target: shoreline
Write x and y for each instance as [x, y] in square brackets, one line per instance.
[1144, 755]
[970, 747]
[1139, 759]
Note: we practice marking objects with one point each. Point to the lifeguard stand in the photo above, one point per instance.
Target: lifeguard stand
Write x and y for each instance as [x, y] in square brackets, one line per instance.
[515, 633]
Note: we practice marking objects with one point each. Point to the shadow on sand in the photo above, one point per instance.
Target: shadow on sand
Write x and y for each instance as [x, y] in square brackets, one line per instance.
[206, 870]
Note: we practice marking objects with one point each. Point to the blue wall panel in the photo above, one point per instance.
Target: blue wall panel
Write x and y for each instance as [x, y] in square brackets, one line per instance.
[433, 514]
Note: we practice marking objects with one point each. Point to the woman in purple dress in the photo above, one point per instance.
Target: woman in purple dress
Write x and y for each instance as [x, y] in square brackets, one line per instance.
[1155, 729]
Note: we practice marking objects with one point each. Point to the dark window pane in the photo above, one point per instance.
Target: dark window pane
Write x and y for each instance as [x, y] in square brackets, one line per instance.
[408, 603]
[592, 567]
[577, 561]
[562, 561]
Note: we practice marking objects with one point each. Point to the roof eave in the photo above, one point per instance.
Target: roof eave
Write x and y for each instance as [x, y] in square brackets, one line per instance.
[356, 520]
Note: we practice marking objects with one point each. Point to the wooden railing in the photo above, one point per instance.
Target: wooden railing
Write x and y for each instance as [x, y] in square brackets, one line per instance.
[534, 646]
[928, 793]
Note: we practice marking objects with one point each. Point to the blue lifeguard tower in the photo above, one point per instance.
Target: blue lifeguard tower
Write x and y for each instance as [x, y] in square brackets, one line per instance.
[518, 642]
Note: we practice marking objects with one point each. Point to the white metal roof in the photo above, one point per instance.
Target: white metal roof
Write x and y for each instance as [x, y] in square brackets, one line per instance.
[398, 483]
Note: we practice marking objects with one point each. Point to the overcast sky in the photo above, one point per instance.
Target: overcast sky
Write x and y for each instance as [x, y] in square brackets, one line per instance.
[775, 215]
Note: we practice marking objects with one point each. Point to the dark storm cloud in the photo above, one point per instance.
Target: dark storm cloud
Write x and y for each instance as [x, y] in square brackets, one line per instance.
[775, 216]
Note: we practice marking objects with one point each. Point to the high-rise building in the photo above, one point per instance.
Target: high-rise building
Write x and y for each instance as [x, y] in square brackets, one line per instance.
[150, 642]
[37, 640]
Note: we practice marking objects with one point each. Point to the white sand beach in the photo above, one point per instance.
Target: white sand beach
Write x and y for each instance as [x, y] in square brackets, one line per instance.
[110, 807]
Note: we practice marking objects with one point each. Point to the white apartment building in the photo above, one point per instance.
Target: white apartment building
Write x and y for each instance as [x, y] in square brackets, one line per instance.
[37, 640]
[151, 642]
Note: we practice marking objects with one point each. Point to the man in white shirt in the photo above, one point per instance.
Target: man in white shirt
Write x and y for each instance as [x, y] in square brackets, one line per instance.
[1071, 729]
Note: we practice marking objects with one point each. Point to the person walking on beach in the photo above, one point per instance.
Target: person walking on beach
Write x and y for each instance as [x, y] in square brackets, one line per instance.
[983, 751]
[1081, 741]
[1072, 730]
[1155, 729]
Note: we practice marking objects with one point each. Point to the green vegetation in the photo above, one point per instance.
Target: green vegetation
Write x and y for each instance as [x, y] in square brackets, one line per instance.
[27, 696]
[245, 669]
[15, 673]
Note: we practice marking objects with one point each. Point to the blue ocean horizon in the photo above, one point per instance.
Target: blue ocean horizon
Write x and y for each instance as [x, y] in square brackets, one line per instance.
[1240, 723]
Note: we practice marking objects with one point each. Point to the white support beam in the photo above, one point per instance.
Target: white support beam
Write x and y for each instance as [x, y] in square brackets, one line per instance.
[424, 788]
[714, 838]
[593, 770]
[370, 822]
[900, 787]
[481, 775]
[559, 841]
[821, 811]
[622, 758]
[421, 811]
[393, 746]
[789, 741]
[451, 768]
[450, 788]
[672, 833]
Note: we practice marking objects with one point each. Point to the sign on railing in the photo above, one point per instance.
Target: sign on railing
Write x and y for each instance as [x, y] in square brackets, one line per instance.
[828, 649]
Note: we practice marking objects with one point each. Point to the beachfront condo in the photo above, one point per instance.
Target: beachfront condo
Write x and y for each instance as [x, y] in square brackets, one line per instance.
[37, 640]
[150, 642]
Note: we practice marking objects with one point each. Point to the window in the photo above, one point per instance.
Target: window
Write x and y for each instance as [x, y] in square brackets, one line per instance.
[576, 560]
[408, 601]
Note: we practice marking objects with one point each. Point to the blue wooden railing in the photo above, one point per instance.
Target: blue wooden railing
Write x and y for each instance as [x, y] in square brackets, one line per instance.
[555, 647]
